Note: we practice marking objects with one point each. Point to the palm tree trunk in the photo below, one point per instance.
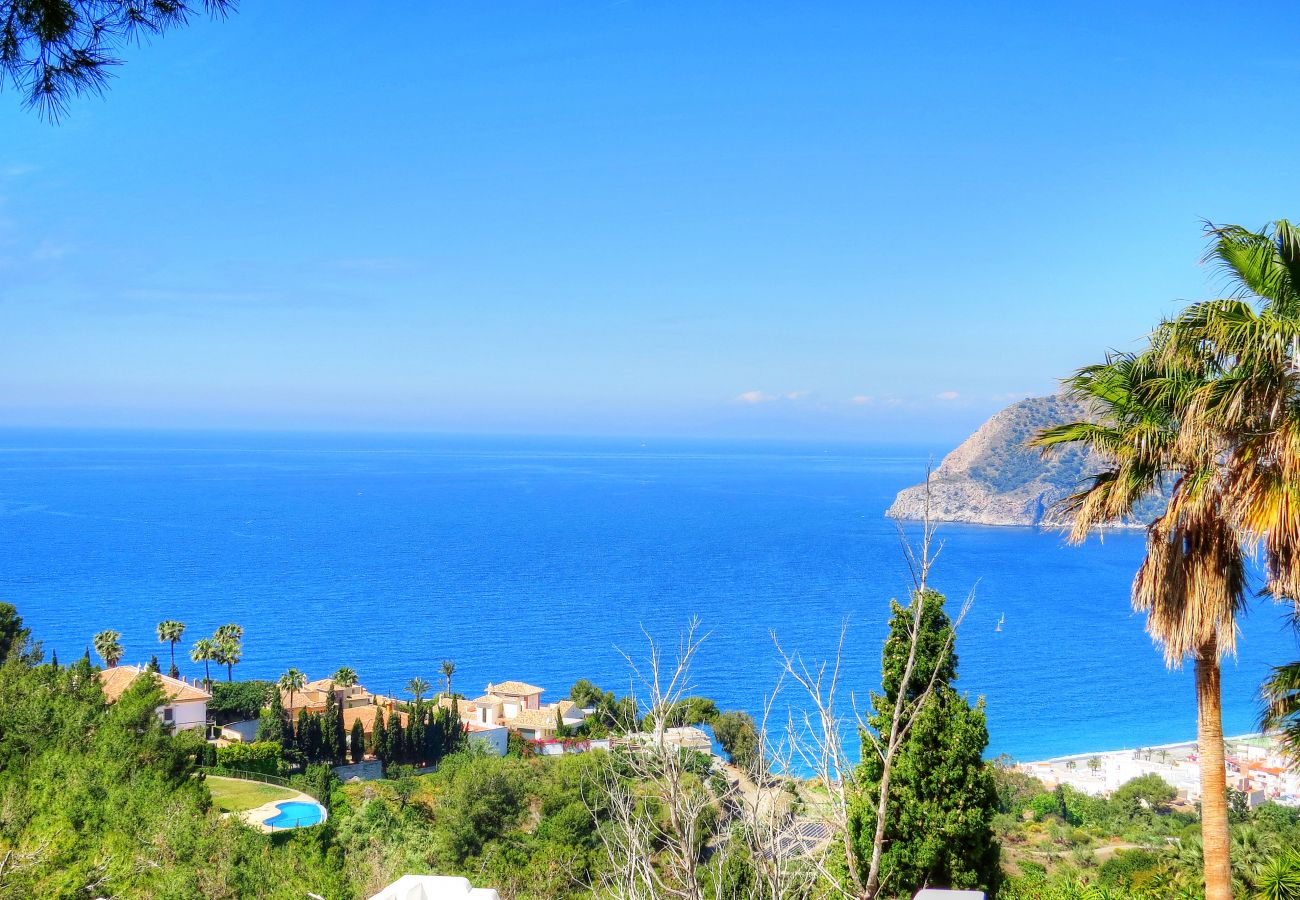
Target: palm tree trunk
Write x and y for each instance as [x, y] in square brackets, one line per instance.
[173, 643]
[1214, 780]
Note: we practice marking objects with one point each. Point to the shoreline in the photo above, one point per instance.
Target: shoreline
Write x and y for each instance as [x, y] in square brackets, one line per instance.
[1257, 766]
[1176, 745]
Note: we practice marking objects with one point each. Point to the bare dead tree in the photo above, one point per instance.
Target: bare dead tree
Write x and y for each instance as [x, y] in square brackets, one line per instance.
[764, 821]
[818, 733]
[655, 808]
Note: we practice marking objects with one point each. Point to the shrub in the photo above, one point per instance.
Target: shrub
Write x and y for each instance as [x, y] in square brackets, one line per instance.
[265, 757]
[234, 701]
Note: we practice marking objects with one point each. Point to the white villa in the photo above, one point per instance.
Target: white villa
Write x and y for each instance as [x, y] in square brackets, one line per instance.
[186, 706]
[517, 706]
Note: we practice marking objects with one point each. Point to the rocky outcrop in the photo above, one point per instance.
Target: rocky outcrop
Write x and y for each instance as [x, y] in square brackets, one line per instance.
[996, 478]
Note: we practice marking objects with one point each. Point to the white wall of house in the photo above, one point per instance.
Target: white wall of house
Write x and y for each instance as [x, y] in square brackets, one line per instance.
[493, 740]
[182, 716]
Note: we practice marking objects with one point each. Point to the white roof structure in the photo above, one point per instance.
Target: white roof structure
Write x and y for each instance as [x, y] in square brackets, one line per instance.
[434, 887]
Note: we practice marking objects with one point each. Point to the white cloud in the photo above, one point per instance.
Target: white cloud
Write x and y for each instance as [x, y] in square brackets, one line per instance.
[862, 400]
[756, 397]
[948, 395]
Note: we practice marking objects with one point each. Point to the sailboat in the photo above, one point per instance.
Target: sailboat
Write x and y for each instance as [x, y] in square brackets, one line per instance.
[1001, 622]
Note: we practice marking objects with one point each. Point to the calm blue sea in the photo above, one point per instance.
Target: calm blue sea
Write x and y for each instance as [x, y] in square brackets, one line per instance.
[538, 559]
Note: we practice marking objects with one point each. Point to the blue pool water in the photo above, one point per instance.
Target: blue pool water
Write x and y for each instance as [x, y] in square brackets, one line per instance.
[295, 814]
[538, 559]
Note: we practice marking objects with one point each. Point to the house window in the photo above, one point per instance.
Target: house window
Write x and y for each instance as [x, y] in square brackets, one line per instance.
[167, 714]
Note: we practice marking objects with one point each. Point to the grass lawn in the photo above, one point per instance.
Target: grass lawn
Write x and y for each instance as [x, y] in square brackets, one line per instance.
[232, 795]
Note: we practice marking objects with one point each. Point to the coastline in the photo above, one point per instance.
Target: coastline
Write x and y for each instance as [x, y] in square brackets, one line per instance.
[1258, 767]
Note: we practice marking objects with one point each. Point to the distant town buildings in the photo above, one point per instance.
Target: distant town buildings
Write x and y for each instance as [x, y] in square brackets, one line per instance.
[1256, 766]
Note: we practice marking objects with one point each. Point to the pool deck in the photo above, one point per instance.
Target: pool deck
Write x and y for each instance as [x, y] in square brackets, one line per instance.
[258, 816]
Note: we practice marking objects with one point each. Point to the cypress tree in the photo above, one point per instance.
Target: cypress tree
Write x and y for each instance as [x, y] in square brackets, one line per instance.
[396, 738]
[309, 737]
[300, 731]
[379, 740]
[358, 740]
[340, 738]
[54, 658]
[153, 664]
[271, 724]
[331, 730]
[942, 797]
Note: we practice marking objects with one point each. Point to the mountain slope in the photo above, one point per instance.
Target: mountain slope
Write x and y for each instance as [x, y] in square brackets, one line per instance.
[995, 478]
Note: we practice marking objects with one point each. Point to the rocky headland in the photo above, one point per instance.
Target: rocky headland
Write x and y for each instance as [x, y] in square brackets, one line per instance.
[996, 478]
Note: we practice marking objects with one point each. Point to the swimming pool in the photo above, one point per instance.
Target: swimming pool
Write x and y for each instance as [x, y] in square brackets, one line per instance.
[296, 814]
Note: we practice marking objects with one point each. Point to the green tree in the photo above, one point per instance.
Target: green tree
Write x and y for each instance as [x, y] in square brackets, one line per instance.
[204, 651]
[271, 725]
[302, 724]
[291, 682]
[345, 677]
[53, 51]
[396, 738]
[417, 687]
[171, 632]
[313, 743]
[738, 735]
[332, 730]
[229, 643]
[357, 741]
[234, 701]
[448, 669]
[12, 633]
[1143, 796]
[942, 795]
[1192, 582]
[585, 694]
[379, 739]
[108, 644]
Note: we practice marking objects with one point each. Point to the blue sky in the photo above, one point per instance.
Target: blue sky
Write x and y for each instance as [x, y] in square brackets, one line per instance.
[804, 220]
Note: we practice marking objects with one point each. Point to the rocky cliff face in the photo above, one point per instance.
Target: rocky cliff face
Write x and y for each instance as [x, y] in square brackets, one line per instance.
[995, 478]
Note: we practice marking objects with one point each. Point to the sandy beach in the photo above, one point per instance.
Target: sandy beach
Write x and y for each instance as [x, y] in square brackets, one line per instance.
[1257, 766]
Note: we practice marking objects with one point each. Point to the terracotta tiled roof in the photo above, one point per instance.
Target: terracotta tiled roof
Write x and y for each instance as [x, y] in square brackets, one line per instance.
[533, 719]
[366, 715]
[116, 680]
[514, 688]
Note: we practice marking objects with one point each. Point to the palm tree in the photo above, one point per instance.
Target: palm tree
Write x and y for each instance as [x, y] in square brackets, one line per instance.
[1192, 582]
[345, 677]
[291, 682]
[108, 644]
[448, 670]
[229, 641]
[204, 651]
[419, 687]
[1282, 705]
[171, 632]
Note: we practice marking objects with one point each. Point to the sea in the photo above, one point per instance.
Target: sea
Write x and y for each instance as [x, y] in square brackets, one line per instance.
[547, 560]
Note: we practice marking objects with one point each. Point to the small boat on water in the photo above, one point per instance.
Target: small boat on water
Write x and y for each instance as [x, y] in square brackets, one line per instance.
[1001, 622]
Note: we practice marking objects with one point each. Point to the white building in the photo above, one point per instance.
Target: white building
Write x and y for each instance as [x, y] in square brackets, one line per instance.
[518, 707]
[434, 887]
[186, 706]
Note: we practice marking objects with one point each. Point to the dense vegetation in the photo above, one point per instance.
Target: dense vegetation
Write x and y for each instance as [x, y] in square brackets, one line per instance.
[1138, 843]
